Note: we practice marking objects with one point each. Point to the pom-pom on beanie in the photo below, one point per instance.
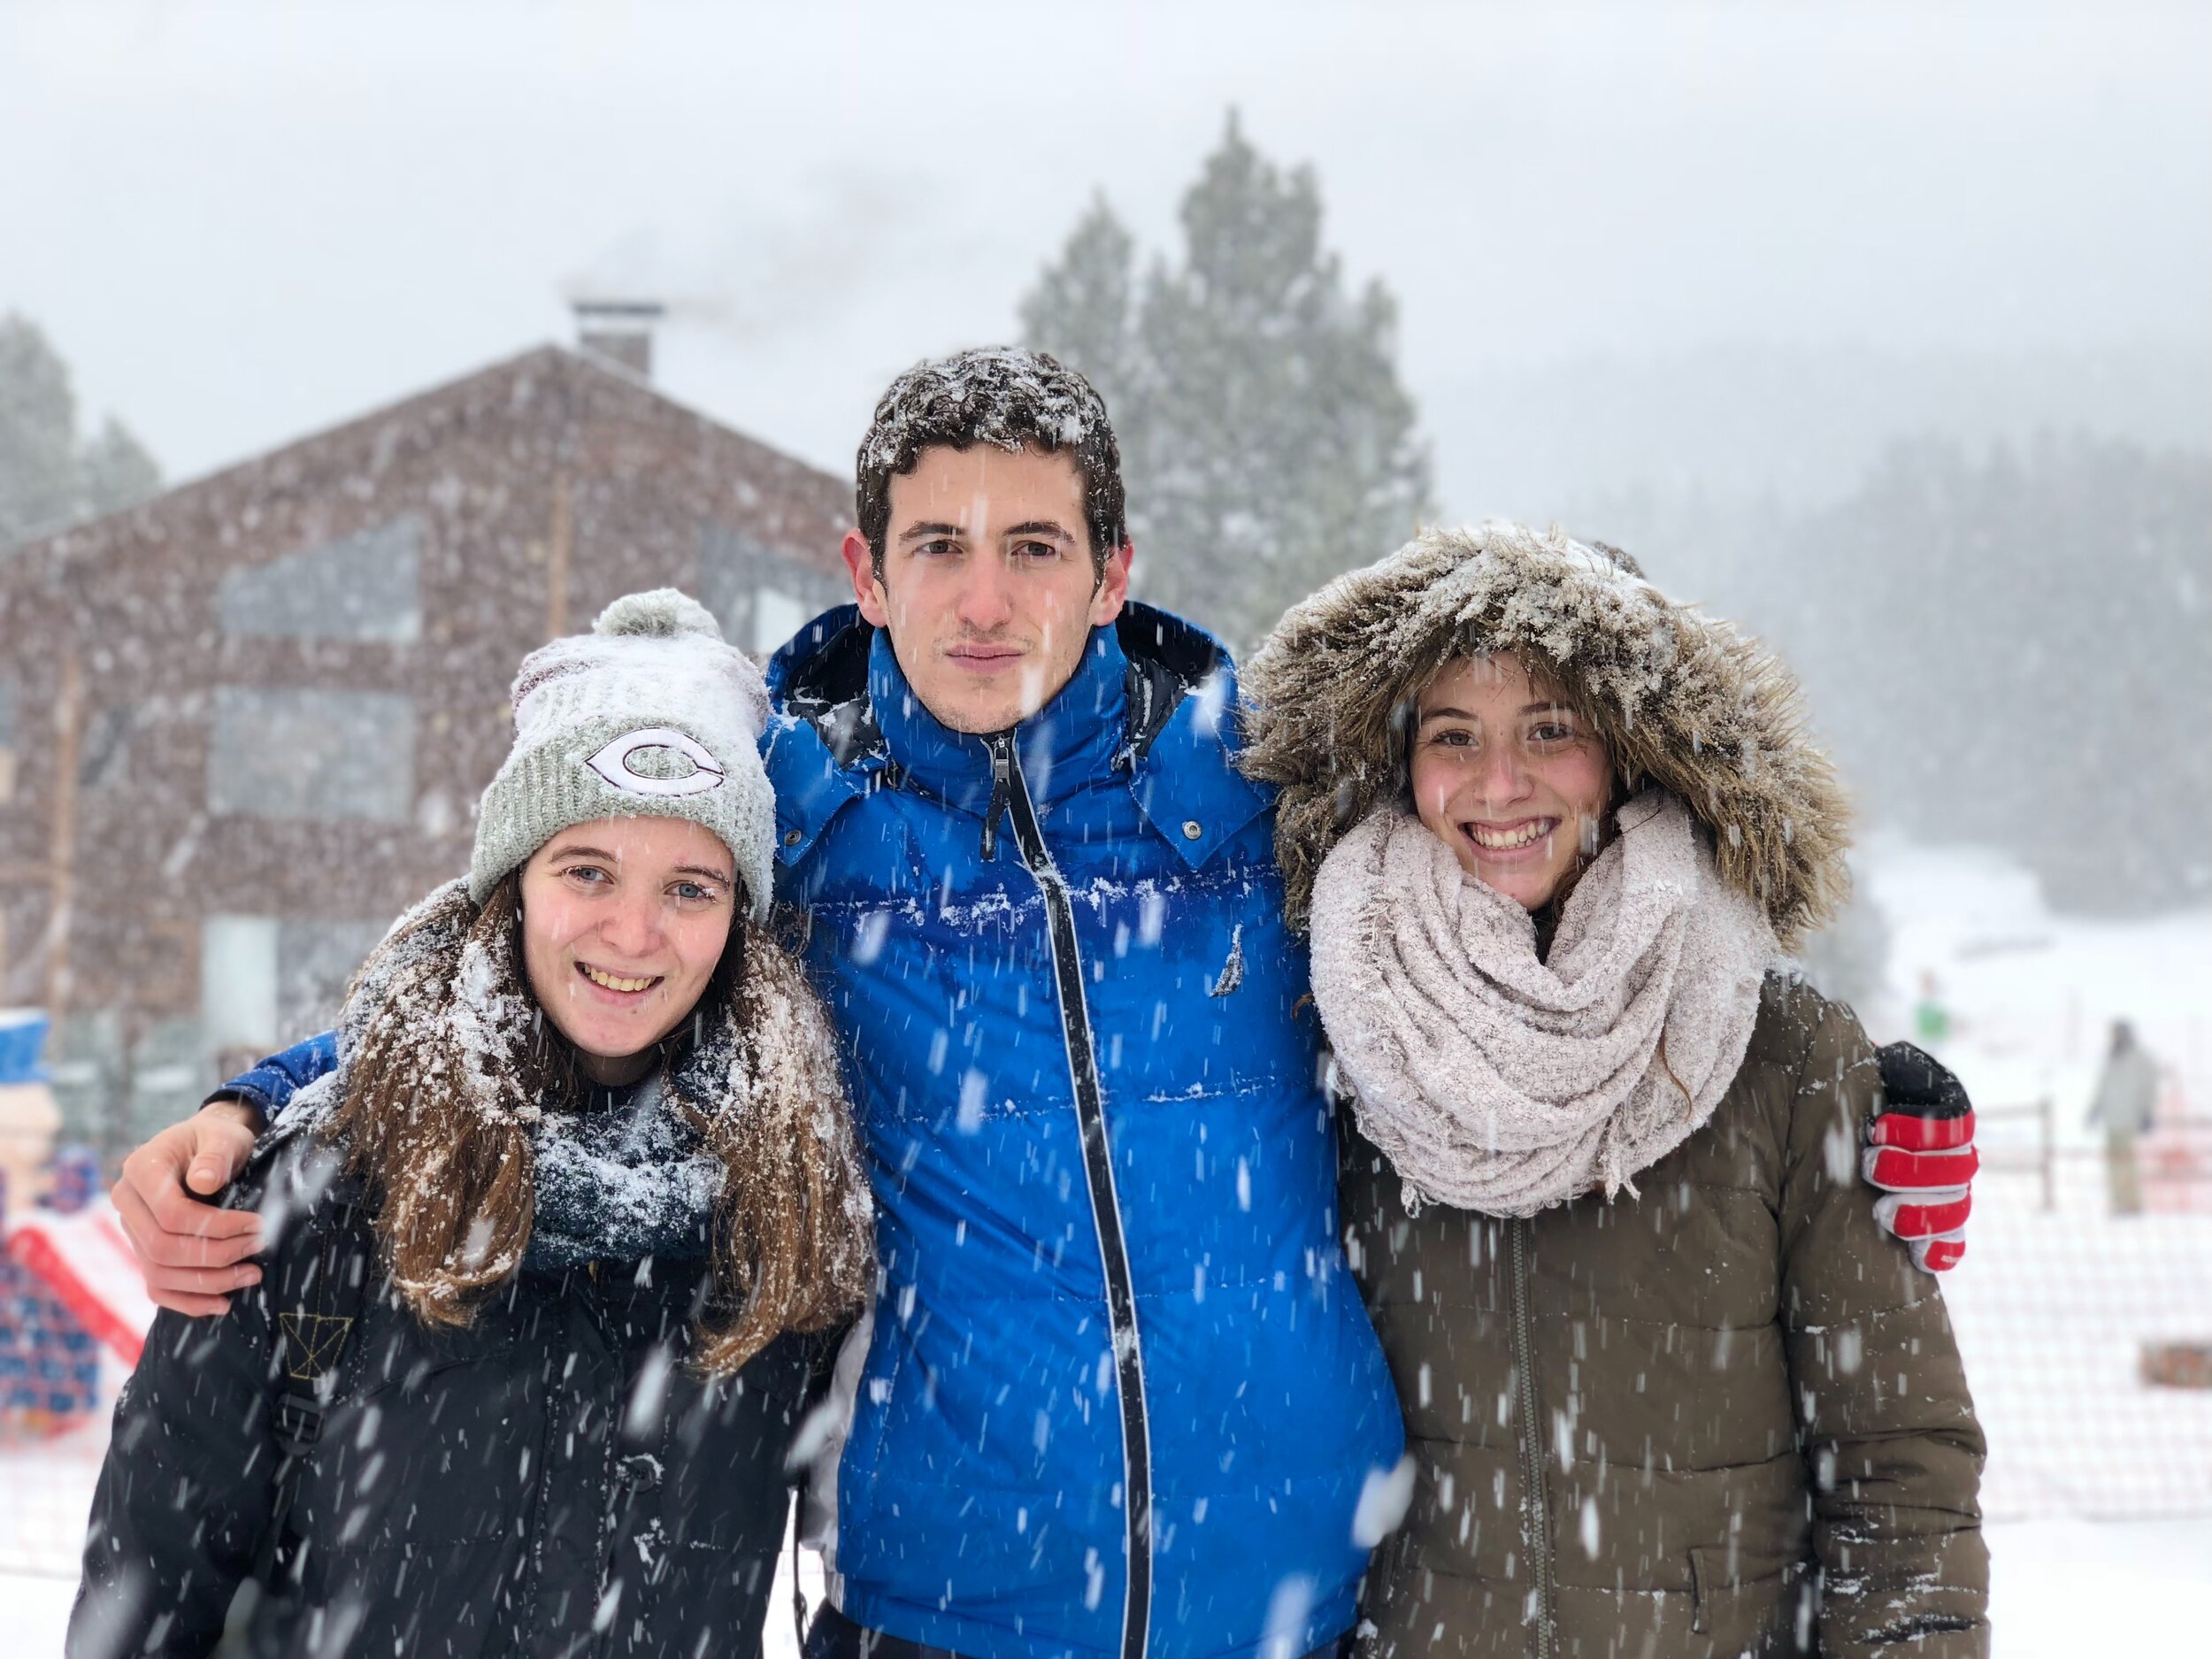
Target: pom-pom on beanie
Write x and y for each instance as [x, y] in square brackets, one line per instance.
[650, 715]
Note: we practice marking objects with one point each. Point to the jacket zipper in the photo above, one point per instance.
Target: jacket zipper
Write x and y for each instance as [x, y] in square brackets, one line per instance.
[1536, 1529]
[1010, 791]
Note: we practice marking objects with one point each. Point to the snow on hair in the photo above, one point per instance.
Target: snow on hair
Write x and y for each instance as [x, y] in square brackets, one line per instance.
[445, 1062]
[1009, 396]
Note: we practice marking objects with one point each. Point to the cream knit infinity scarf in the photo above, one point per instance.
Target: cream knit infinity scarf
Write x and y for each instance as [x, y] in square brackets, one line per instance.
[1499, 1083]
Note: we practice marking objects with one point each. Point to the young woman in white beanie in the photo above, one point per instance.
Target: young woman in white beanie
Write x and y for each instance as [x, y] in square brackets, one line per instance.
[528, 1350]
[1670, 1387]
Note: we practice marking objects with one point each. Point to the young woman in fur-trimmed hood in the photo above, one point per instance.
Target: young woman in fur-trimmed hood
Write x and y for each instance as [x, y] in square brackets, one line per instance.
[1669, 1385]
[525, 1355]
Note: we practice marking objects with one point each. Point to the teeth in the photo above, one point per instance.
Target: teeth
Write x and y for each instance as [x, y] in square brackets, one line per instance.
[1503, 841]
[612, 981]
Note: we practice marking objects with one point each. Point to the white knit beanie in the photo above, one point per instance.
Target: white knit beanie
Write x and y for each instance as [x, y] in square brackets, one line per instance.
[650, 715]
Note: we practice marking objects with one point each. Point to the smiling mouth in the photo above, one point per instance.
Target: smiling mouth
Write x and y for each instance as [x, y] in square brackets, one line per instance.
[616, 981]
[1509, 838]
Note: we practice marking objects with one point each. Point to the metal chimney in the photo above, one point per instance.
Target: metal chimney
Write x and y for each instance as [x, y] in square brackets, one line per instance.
[619, 330]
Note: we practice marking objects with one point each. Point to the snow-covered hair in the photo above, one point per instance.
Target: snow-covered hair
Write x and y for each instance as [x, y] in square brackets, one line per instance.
[445, 1063]
[1010, 396]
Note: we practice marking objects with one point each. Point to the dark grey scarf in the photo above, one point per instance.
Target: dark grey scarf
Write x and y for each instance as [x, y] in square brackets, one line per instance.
[620, 1177]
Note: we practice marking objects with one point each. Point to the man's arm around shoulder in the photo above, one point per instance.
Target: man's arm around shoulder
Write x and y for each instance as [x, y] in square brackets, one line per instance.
[194, 1255]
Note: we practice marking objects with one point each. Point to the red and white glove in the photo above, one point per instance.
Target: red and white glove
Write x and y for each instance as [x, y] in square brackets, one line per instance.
[1920, 1152]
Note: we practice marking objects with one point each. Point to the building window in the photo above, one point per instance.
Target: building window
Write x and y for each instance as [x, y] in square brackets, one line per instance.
[315, 962]
[238, 982]
[266, 982]
[331, 757]
[760, 596]
[777, 616]
[360, 587]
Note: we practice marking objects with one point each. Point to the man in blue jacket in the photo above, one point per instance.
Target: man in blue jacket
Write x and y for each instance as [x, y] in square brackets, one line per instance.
[1118, 1396]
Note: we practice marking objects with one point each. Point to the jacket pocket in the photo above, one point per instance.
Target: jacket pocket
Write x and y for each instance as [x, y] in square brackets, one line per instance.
[1746, 1600]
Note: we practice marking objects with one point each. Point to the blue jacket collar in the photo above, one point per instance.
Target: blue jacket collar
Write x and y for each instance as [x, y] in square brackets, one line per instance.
[1072, 742]
[1155, 696]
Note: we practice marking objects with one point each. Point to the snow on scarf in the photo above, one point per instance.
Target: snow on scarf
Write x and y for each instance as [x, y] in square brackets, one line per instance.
[1498, 1082]
[618, 1176]
[619, 1184]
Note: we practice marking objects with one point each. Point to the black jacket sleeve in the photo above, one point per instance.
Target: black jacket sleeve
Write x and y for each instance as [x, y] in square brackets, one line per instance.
[186, 1490]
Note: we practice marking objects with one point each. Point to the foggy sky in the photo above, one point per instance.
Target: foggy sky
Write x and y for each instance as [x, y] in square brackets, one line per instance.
[240, 223]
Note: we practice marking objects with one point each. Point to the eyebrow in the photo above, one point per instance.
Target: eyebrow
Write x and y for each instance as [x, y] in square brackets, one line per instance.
[1549, 705]
[1040, 526]
[921, 532]
[712, 874]
[722, 875]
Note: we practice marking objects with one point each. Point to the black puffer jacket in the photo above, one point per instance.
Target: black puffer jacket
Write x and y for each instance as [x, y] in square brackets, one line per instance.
[552, 1480]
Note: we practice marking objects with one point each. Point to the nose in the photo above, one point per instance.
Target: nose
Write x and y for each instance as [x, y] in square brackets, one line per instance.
[631, 926]
[1503, 779]
[986, 596]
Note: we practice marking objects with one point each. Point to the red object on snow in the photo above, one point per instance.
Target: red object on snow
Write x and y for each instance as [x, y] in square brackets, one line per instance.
[86, 1262]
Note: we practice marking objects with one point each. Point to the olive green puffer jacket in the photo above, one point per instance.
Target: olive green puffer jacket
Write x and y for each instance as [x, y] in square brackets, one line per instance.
[1725, 1416]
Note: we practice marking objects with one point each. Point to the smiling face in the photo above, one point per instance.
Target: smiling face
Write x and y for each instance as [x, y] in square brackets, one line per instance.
[987, 589]
[1509, 777]
[623, 922]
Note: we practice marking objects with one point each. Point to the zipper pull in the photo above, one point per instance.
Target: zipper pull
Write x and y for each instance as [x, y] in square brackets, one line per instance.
[1002, 747]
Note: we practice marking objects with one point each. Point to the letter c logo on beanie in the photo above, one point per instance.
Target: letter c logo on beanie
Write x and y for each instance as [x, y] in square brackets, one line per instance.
[655, 760]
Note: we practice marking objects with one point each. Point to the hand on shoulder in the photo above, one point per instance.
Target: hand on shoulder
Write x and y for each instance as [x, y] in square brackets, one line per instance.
[192, 1253]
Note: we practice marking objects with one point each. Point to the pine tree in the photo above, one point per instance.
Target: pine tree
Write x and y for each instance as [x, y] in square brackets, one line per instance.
[1082, 310]
[114, 471]
[48, 478]
[1266, 442]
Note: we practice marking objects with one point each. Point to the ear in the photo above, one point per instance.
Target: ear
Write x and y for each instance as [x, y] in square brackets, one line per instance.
[867, 591]
[1112, 591]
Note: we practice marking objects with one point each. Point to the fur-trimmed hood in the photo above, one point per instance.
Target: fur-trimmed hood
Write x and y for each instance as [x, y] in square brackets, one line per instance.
[1681, 699]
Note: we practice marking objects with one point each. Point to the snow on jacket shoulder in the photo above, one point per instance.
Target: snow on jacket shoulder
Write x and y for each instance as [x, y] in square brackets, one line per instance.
[1121, 1396]
[550, 1470]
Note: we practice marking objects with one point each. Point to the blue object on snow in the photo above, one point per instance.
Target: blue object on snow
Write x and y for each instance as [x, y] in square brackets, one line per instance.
[22, 1034]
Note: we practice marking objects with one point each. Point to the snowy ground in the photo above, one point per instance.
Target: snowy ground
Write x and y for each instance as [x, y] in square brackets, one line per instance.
[2099, 1489]
[2059, 1589]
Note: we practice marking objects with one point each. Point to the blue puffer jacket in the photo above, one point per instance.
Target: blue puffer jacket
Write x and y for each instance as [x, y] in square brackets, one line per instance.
[1120, 1397]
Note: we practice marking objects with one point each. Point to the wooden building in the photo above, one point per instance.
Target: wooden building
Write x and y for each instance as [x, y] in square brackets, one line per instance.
[244, 725]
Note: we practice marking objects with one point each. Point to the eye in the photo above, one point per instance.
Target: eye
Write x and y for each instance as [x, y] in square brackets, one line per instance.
[1553, 731]
[1036, 552]
[1453, 737]
[936, 547]
[694, 893]
[587, 875]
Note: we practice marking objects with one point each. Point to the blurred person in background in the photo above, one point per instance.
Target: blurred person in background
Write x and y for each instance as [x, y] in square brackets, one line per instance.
[1669, 1385]
[2126, 1104]
[525, 1355]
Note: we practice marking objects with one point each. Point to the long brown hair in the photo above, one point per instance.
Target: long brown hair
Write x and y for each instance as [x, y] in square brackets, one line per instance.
[449, 1060]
